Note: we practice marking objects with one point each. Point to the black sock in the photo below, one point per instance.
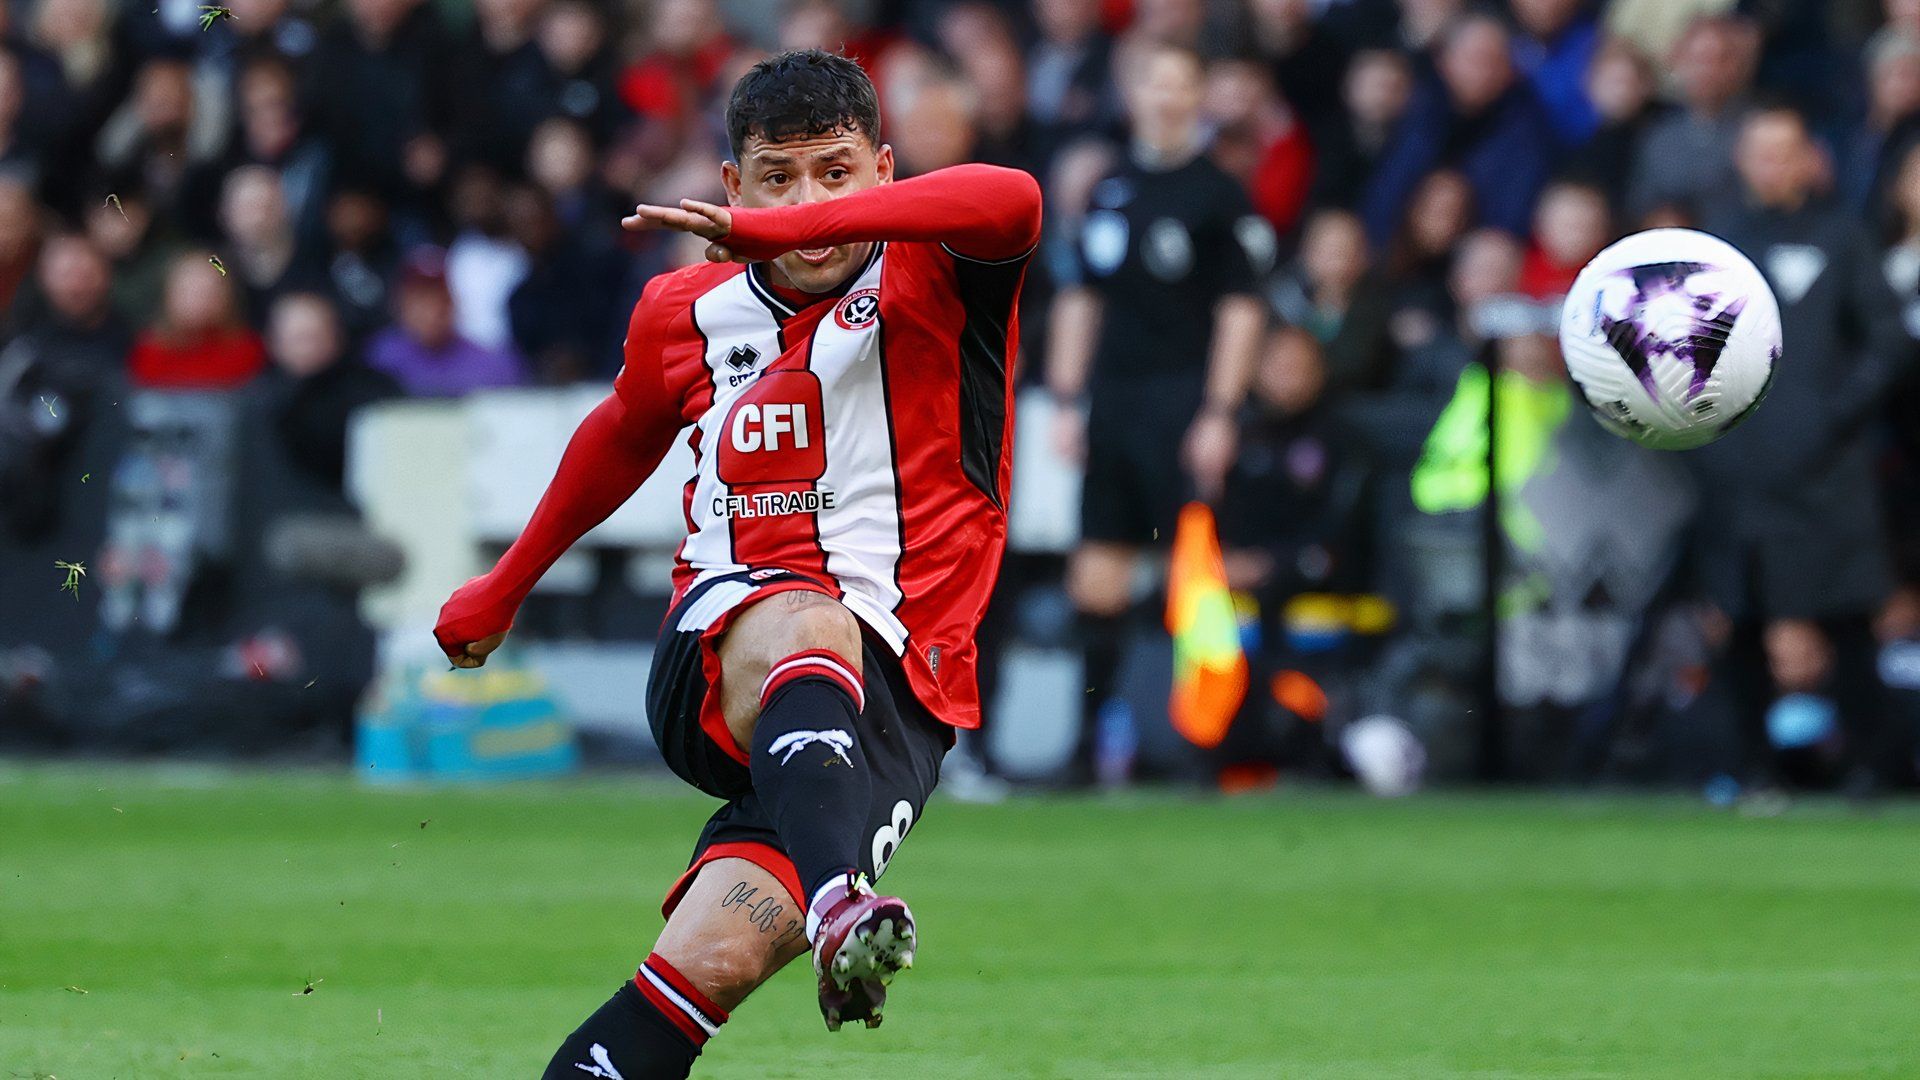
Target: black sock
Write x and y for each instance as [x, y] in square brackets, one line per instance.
[651, 1029]
[808, 767]
[1102, 638]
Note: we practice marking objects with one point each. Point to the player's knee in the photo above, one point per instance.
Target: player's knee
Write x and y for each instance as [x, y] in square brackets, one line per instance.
[726, 969]
[817, 623]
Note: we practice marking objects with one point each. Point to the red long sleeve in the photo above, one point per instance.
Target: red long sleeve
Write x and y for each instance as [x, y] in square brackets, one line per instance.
[980, 211]
[611, 454]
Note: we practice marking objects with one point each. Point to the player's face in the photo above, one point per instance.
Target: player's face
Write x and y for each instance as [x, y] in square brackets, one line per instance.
[807, 169]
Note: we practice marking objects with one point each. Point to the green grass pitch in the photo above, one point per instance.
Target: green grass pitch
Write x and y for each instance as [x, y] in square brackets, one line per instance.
[1303, 935]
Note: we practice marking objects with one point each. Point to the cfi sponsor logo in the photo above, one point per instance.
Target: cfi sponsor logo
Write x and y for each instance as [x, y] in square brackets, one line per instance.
[859, 310]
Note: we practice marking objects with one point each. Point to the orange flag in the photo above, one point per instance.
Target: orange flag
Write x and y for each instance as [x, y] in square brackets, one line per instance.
[1209, 668]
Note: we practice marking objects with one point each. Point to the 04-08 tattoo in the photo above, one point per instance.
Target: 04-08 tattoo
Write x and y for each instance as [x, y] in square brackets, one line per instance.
[762, 911]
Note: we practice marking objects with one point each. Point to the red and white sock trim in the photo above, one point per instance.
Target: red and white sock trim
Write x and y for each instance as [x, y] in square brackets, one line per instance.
[815, 663]
[695, 1014]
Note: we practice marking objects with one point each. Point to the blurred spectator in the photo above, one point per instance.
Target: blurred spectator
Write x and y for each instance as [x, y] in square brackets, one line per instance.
[1309, 65]
[1902, 259]
[423, 351]
[1487, 264]
[1419, 463]
[1291, 520]
[266, 31]
[1901, 265]
[20, 157]
[272, 133]
[1902, 20]
[1439, 214]
[313, 389]
[1570, 226]
[484, 265]
[830, 25]
[1621, 86]
[1553, 49]
[160, 133]
[1259, 141]
[1348, 143]
[506, 91]
[1331, 294]
[1875, 148]
[123, 226]
[1795, 555]
[1529, 383]
[1069, 72]
[41, 80]
[383, 93]
[1477, 118]
[1423, 23]
[91, 70]
[566, 313]
[1180, 23]
[689, 46]
[996, 75]
[264, 254]
[560, 160]
[72, 304]
[200, 342]
[49, 376]
[932, 127]
[1656, 27]
[19, 237]
[362, 259]
[1393, 423]
[1687, 157]
[577, 79]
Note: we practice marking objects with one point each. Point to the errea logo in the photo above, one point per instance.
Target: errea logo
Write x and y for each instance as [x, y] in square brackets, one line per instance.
[859, 310]
[741, 360]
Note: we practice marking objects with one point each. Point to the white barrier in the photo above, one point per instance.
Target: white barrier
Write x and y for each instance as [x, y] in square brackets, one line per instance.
[453, 481]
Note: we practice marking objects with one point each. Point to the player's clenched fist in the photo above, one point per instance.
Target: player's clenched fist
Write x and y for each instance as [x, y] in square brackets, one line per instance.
[473, 623]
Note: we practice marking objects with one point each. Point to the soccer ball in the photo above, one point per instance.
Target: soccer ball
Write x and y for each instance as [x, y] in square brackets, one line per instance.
[1672, 335]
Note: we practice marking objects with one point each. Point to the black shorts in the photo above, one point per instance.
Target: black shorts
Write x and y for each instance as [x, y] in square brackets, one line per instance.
[1135, 484]
[903, 742]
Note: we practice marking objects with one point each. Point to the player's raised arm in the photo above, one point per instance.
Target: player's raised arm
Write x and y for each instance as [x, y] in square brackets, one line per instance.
[611, 454]
[983, 212]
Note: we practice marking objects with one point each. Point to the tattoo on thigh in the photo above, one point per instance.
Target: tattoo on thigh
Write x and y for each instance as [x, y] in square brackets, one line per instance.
[767, 913]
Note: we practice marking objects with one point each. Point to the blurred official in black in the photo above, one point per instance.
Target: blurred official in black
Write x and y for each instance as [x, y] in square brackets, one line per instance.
[1159, 336]
[1791, 545]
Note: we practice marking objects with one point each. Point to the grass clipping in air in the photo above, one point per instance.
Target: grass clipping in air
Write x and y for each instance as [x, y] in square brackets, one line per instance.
[75, 571]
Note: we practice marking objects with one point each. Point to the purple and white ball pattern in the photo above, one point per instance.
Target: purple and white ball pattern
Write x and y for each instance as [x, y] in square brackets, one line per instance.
[1672, 335]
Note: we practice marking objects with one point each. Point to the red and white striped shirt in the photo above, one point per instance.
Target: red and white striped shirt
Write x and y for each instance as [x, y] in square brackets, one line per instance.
[861, 438]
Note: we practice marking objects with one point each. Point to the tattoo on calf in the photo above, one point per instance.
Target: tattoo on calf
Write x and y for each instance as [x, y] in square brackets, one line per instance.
[764, 912]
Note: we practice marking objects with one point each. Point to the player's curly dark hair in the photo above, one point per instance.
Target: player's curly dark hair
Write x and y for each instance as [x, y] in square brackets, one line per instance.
[803, 92]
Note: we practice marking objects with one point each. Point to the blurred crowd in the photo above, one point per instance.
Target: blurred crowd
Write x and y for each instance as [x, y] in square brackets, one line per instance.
[313, 206]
